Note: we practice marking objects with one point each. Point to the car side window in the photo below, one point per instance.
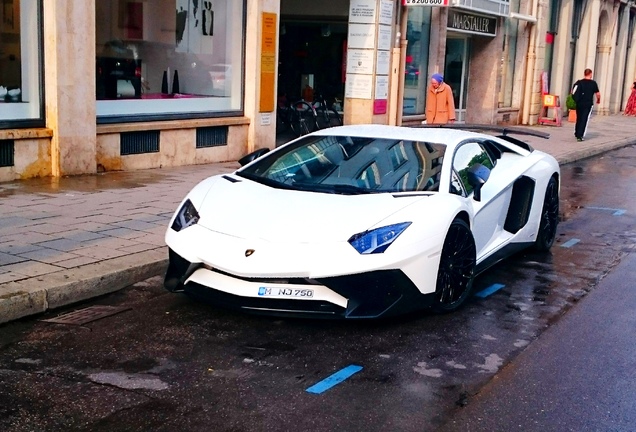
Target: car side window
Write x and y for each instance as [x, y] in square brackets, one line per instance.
[466, 156]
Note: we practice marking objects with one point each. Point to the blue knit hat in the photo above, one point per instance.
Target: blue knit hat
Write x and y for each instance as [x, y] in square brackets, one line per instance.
[438, 77]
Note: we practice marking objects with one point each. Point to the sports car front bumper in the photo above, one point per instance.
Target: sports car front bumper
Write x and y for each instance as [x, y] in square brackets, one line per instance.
[373, 294]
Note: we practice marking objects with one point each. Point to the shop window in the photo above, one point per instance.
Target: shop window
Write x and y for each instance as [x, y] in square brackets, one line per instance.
[20, 64]
[509, 58]
[168, 58]
[416, 65]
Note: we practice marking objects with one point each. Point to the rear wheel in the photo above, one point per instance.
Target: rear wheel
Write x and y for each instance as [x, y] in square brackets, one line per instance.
[335, 119]
[304, 119]
[549, 217]
[456, 268]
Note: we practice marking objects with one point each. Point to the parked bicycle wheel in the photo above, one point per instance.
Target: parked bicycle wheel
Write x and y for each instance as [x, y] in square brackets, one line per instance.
[283, 120]
[327, 115]
[335, 119]
[304, 118]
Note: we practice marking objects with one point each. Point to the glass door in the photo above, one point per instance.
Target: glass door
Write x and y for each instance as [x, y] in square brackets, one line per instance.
[456, 72]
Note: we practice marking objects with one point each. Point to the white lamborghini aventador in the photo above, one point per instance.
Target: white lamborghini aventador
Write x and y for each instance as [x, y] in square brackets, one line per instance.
[362, 221]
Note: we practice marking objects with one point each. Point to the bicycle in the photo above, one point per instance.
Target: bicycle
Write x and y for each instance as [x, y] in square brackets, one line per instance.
[327, 115]
[305, 118]
[299, 117]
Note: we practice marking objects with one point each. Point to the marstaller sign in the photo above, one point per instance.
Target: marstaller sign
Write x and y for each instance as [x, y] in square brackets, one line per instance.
[468, 23]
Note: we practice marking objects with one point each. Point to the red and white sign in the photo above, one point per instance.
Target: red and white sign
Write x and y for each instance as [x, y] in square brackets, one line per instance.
[425, 2]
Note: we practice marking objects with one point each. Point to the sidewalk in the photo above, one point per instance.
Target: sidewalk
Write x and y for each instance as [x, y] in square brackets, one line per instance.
[71, 239]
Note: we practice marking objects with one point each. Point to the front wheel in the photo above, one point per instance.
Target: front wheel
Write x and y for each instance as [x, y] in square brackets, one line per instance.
[456, 268]
[304, 118]
[335, 119]
[549, 217]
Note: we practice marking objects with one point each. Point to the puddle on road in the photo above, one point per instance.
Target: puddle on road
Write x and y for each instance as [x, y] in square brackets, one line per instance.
[129, 381]
[110, 180]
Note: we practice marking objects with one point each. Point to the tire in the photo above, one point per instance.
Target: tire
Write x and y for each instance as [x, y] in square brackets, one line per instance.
[456, 268]
[328, 117]
[304, 119]
[549, 217]
[282, 121]
[335, 119]
[323, 117]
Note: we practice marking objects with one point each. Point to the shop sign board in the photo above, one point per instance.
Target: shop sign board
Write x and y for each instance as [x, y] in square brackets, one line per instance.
[360, 61]
[361, 36]
[359, 86]
[386, 12]
[362, 11]
[465, 22]
[425, 2]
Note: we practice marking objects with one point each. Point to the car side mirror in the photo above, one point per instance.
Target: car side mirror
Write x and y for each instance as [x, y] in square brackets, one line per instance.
[252, 156]
[477, 176]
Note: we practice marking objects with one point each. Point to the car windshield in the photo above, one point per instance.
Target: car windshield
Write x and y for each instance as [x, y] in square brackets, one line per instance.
[351, 165]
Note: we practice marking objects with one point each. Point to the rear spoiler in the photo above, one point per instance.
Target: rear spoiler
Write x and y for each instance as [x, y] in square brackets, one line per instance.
[504, 131]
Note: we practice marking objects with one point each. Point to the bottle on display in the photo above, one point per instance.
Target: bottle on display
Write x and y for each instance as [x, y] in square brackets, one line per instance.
[175, 83]
[164, 83]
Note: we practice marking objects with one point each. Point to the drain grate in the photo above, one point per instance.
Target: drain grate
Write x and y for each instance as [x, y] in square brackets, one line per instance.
[86, 315]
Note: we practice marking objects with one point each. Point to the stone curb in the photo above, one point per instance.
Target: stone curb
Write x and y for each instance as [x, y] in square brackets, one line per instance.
[594, 151]
[38, 294]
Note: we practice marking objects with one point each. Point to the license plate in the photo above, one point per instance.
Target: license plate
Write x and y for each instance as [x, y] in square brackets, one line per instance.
[285, 292]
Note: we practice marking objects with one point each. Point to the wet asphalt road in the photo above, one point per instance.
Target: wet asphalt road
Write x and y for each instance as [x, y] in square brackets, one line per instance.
[169, 363]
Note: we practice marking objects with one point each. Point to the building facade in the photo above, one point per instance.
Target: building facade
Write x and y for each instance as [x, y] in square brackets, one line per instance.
[88, 86]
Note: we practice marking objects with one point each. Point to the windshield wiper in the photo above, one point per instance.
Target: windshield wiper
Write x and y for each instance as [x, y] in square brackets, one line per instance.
[263, 180]
[338, 188]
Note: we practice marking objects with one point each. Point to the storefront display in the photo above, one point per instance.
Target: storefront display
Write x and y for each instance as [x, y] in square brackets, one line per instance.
[20, 64]
[167, 57]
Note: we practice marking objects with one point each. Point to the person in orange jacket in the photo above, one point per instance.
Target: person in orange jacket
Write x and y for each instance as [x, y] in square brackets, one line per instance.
[440, 105]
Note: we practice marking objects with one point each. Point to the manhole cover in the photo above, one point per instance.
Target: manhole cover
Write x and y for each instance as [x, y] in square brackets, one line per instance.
[86, 315]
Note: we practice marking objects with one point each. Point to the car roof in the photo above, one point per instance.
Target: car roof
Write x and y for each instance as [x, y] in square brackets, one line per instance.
[440, 135]
[449, 137]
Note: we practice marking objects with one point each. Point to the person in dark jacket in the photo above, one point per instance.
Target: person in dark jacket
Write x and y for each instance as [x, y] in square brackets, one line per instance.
[584, 92]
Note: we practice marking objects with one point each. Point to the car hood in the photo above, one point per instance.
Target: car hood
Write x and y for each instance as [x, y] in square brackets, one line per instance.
[247, 209]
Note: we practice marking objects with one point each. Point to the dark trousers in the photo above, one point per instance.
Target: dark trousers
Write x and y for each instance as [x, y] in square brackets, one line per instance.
[582, 116]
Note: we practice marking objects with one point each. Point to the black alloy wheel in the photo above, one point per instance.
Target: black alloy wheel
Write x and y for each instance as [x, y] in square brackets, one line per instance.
[456, 268]
[549, 217]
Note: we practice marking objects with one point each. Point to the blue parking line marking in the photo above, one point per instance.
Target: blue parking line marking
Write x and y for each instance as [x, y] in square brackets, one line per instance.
[570, 243]
[334, 379]
[490, 290]
[616, 212]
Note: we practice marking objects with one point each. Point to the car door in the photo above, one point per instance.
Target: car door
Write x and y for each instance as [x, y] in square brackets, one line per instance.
[489, 213]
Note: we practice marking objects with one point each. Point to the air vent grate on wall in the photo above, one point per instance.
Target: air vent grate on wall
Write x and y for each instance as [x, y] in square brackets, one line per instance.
[7, 151]
[139, 142]
[212, 136]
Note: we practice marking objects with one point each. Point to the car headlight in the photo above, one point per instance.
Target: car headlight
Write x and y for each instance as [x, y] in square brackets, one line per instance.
[377, 240]
[187, 216]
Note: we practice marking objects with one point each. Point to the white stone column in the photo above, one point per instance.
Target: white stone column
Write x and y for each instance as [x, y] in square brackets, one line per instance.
[586, 45]
[560, 80]
[69, 67]
[630, 71]
[621, 83]
[262, 130]
[370, 40]
[603, 78]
